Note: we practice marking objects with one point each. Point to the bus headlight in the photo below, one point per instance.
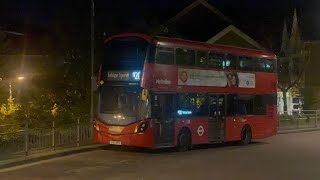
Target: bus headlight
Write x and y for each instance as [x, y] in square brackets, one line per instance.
[141, 127]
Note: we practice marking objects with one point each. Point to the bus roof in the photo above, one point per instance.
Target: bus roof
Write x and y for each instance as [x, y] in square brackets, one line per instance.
[176, 42]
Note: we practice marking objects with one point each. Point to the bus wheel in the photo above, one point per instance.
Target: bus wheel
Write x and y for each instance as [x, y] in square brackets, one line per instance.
[184, 141]
[246, 135]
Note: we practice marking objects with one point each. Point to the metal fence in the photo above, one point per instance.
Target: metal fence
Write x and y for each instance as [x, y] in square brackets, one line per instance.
[23, 140]
[303, 119]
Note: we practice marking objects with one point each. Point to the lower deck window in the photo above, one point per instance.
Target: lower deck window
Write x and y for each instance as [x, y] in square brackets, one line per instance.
[245, 104]
[193, 104]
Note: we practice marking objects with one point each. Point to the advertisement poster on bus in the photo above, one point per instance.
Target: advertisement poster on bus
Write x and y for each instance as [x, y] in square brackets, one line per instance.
[196, 77]
[247, 80]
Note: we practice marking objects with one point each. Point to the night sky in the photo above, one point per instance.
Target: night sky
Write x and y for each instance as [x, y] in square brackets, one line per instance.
[255, 17]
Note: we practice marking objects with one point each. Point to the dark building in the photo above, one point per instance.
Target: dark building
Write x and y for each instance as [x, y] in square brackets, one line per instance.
[200, 21]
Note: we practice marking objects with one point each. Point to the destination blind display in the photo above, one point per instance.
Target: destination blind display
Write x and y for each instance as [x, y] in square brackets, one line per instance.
[123, 75]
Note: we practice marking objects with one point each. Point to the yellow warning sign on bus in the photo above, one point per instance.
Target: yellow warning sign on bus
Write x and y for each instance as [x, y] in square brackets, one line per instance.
[144, 95]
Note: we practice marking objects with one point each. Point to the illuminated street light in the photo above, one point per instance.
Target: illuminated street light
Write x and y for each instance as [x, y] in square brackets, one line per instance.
[21, 78]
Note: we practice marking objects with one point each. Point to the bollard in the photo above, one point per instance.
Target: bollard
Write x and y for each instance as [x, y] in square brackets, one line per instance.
[78, 132]
[316, 123]
[53, 136]
[298, 122]
[26, 139]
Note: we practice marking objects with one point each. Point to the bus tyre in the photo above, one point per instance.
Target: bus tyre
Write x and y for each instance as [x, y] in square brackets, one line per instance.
[184, 141]
[246, 135]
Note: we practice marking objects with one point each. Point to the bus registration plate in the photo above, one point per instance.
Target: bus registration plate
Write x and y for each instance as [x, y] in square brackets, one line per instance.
[115, 142]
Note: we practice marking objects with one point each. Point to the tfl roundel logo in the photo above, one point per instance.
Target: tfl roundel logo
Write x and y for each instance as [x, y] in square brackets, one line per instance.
[200, 130]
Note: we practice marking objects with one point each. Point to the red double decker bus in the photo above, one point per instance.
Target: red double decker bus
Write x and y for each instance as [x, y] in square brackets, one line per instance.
[166, 92]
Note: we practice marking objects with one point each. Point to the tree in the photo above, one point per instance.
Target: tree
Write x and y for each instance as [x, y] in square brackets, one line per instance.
[4, 49]
[168, 29]
[291, 70]
[71, 77]
[4, 43]
[292, 61]
[61, 91]
[9, 108]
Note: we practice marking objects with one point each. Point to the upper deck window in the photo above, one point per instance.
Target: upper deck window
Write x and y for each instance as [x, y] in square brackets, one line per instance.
[185, 57]
[260, 65]
[164, 55]
[270, 65]
[125, 53]
[230, 62]
[256, 64]
[247, 63]
[215, 60]
[202, 58]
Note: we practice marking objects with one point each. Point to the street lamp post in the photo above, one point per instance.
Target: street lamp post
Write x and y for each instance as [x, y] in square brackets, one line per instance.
[92, 14]
[20, 78]
[10, 89]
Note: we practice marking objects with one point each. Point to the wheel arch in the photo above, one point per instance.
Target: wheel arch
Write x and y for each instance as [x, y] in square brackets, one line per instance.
[247, 126]
[184, 129]
[247, 139]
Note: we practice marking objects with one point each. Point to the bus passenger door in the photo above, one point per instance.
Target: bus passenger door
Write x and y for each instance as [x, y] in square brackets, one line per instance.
[216, 118]
[163, 111]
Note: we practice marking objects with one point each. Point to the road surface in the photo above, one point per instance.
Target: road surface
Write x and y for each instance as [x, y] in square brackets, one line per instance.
[283, 157]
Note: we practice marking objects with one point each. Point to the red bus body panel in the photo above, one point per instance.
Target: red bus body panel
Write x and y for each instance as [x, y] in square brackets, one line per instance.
[193, 124]
[125, 134]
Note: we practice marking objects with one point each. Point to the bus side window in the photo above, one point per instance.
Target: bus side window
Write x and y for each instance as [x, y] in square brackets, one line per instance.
[192, 104]
[260, 65]
[246, 63]
[201, 105]
[270, 65]
[164, 56]
[202, 58]
[230, 62]
[232, 105]
[151, 54]
[215, 60]
[260, 104]
[242, 109]
[185, 57]
[246, 104]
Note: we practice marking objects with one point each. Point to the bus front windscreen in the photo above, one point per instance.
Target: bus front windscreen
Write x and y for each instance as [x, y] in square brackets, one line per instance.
[125, 53]
[121, 105]
[118, 100]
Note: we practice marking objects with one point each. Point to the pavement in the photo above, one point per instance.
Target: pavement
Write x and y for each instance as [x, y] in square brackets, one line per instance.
[284, 157]
[294, 130]
[39, 155]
